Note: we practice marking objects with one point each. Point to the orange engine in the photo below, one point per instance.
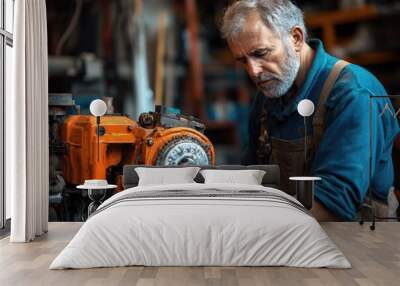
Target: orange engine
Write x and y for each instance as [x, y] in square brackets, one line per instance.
[123, 141]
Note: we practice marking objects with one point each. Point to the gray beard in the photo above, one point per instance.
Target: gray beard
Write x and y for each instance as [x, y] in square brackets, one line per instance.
[279, 86]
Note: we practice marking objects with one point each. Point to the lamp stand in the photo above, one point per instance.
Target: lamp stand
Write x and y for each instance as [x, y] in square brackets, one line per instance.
[98, 136]
[305, 146]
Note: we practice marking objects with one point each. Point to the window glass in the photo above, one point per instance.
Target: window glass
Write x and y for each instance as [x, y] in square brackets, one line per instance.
[2, 202]
[9, 16]
[1, 14]
[8, 86]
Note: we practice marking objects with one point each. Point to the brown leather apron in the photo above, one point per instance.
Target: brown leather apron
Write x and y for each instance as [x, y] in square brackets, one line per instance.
[289, 154]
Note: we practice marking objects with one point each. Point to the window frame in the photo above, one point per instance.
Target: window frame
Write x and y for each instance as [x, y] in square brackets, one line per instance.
[6, 39]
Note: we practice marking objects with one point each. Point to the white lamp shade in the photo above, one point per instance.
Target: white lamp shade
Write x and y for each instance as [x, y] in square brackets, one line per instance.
[305, 107]
[98, 107]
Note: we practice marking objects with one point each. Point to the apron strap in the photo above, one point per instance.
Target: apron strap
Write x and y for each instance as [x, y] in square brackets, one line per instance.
[264, 147]
[263, 144]
[319, 117]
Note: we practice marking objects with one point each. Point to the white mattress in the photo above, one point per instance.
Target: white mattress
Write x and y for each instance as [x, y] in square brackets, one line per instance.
[202, 231]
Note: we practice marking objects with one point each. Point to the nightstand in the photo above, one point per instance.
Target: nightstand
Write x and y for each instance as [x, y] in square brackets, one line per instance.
[305, 190]
[96, 193]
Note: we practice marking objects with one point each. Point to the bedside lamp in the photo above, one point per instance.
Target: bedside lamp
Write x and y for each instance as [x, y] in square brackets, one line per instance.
[305, 108]
[98, 108]
[305, 185]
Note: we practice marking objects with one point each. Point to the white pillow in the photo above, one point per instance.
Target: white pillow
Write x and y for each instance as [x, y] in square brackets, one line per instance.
[164, 176]
[249, 177]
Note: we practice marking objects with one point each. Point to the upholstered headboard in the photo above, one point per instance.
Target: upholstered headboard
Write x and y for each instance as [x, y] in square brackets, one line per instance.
[270, 179]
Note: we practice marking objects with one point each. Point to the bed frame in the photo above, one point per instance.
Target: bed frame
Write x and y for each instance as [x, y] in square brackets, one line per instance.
[270, 179]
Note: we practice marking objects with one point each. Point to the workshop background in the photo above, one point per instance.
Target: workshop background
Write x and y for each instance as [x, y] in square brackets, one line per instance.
[134, 54]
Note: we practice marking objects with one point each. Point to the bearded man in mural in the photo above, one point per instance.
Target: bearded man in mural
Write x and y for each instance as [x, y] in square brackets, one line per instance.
[269, 39]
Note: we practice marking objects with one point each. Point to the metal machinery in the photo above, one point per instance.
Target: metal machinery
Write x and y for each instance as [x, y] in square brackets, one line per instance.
[60, 106]
[158, 138]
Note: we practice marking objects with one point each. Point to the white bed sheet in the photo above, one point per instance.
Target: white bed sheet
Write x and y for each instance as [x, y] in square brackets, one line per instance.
[200, 232]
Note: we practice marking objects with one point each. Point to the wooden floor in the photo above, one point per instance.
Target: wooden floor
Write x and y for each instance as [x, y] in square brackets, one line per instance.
[375, 257]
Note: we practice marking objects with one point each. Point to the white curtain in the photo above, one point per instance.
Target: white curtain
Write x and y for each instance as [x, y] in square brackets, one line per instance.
[27, 124]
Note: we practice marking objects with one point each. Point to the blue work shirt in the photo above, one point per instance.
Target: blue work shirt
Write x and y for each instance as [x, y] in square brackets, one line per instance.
[342, 159]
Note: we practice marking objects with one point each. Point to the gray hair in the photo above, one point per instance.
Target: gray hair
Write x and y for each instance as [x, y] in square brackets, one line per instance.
[281, 16]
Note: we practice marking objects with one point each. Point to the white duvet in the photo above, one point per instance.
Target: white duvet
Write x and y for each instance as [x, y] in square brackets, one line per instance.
[203, 231]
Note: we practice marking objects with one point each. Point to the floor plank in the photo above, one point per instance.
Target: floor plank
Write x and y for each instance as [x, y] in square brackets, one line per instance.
[375, 257]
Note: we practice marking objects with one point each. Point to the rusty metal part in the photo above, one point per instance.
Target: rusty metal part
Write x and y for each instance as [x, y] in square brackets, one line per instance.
[184, 150]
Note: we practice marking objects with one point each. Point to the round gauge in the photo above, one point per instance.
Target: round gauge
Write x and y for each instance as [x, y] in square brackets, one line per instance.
[183, 150]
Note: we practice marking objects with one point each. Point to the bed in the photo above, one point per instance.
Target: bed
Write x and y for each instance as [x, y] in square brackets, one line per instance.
[201, 224]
